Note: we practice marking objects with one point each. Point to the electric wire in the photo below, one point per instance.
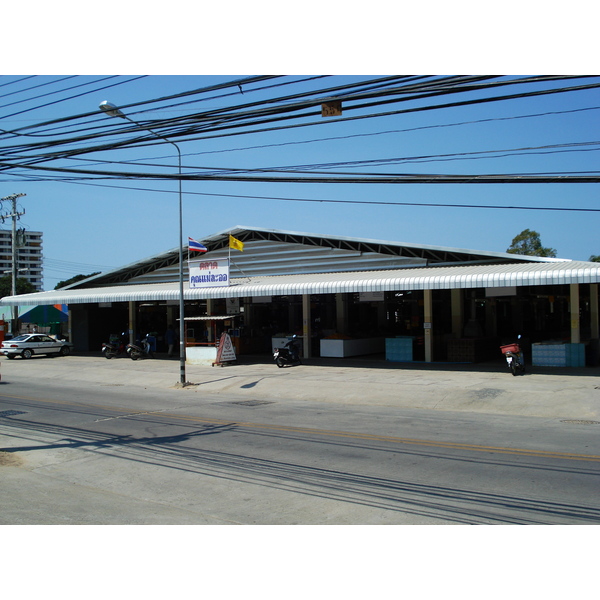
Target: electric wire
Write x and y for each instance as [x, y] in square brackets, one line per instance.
[33, 87]
[257, 174]
[17, 80]
[461, 156]
[139, 161]
[332, 201]
[322, 96]
[67, 118]
[389, 132]
[76, 95]
[218, 130]
[150, 140]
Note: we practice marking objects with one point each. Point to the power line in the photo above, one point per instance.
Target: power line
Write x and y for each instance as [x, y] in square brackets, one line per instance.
[437, 86]
[388, 132]
[17, 80]
[57, 264]
[260, 118]
[75, 96]
[281, 105]
[33, 87]
[357, 202]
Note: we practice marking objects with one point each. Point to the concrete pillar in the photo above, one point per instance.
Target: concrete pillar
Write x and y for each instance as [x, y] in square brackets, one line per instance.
[341, 313]
[428, 324]
[171, 320]
[595, 330]
[132, 321]
[458, 317]
[381, 320]
[306, 325]
[70, 324]
[210, 330]
[491, 320]
[574, 308]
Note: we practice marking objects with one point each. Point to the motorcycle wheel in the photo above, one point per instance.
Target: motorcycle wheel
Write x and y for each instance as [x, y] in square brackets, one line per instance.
[513, 368]
[280, 362]
[134, 355]
[108, 354]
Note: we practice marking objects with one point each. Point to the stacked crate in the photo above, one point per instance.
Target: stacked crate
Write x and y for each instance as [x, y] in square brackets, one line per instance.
[575, 355]
[399, 349]
[558, 355]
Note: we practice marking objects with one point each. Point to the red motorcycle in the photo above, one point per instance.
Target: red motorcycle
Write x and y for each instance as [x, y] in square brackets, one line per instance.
[514, 357]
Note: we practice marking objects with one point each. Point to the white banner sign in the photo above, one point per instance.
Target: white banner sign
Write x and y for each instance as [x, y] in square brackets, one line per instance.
[371, 296]
[208, 273]
[500, 291]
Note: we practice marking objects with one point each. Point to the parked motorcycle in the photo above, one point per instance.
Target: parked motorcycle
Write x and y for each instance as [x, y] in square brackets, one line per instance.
[514, 357]
[289, 354]
[140, 350]
[115, 346]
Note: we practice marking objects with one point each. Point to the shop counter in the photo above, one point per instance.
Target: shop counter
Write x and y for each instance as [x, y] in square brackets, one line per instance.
[342, 348]
[201, 355]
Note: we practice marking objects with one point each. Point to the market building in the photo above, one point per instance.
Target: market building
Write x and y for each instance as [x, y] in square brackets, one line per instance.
[343, 297]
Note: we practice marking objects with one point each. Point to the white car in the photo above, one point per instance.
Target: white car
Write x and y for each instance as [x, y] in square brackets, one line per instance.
[28, 344]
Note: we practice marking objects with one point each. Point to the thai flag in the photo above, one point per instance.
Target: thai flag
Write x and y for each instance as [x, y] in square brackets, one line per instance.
[193, 245]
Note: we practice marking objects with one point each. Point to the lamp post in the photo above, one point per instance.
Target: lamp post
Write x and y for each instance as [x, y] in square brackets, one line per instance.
[113, 111]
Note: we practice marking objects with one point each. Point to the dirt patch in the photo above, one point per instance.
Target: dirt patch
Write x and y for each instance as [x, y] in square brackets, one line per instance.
[7, 459]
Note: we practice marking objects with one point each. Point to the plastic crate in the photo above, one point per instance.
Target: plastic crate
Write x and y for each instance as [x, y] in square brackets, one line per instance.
[510, 348]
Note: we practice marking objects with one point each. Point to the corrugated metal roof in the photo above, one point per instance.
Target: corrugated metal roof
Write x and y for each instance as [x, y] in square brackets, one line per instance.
[277, 252]
[455, 277]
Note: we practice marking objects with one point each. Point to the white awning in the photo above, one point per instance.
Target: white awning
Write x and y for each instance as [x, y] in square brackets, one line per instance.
[461, 277]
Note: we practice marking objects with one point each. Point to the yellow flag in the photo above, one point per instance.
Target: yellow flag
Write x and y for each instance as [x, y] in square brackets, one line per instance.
[236, 244]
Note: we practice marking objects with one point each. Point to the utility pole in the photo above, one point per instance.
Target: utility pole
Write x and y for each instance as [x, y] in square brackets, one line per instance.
[14, 215]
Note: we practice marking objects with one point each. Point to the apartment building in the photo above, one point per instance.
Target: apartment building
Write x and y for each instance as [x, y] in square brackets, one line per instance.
[29, 256]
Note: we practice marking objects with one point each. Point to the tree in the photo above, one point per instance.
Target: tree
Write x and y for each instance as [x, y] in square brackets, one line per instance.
[74, 279]
[528, 242]
[23, 286]
[594, 258]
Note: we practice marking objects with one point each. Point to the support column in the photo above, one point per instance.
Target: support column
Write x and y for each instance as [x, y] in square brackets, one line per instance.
[458, 318]
[574, 308]
[428, 324]
[491, 321]
[341, 313]
[70, 324]
[210, 331]
[132, 321]
[595, 329]
[306, 325]
[171, 316]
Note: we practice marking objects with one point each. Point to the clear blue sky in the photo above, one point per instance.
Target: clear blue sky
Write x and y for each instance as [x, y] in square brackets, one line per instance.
[95, 227]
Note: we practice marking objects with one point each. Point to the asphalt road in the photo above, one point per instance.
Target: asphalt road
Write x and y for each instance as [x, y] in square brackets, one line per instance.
[72, 453]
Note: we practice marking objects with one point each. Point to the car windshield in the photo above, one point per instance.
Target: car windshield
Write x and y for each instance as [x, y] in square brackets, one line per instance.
[20, 338]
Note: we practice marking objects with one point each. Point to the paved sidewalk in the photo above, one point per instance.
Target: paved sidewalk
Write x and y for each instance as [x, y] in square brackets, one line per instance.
[565, 393]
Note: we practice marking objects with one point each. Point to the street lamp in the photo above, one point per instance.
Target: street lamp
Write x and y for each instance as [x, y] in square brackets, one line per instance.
[113, 111]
